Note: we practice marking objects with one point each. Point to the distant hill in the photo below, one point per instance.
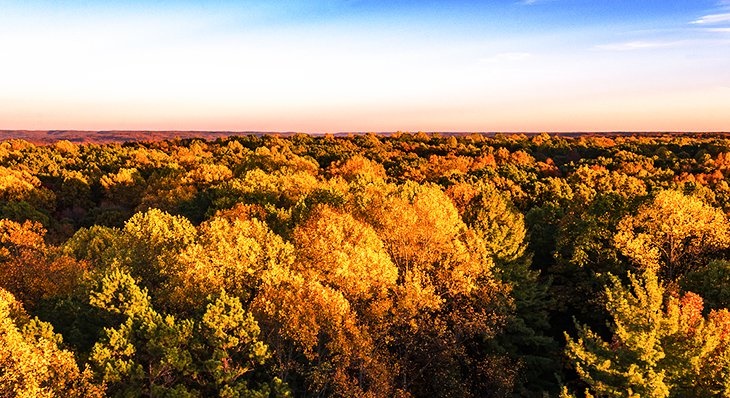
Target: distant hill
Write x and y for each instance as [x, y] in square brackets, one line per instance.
[102, 137]
[111, 136]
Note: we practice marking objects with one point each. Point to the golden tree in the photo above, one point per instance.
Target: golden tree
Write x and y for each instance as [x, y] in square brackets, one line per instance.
[228, 254]
[313, 326]
[17, 185]
[149, 238]
[124, 187]
[448, 302]
[340, 251]
[346, 279]
[358, 167]
[673, 234]
[32, 363]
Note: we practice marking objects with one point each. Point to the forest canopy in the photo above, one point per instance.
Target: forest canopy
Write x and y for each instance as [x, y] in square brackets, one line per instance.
[403, 265]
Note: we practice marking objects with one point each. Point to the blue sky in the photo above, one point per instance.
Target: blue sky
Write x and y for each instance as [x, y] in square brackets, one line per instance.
[327, 66]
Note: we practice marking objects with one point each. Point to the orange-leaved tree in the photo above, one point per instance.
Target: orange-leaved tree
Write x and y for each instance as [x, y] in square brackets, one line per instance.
[31, 269]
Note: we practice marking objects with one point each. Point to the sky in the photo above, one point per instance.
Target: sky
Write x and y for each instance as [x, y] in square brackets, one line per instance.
[348, 66]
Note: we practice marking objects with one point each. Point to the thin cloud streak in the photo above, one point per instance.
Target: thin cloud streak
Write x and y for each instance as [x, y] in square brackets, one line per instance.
[712, 19]
[533, 2]
[641, 45]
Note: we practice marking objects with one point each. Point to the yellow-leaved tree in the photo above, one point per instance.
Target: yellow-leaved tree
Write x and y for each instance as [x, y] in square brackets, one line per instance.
[125, 187]
[448, 302]
[149, 239]
[32, 363]
[230, 254]
[358, 167]
[346, 279]
[673, 234]
[336, 249]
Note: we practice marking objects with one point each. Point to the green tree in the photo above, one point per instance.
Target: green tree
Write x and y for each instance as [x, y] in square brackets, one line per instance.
[525, 336]
[661, 345]
[713, 280]
[152, 354]
[499, 223]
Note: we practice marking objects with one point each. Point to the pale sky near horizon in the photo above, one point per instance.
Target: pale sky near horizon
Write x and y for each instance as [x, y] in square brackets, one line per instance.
[349, 65]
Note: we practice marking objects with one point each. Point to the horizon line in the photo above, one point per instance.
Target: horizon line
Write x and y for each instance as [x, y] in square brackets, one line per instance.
[80, 137]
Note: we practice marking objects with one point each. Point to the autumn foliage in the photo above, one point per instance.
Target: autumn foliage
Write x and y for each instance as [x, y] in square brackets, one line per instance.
[402, 265]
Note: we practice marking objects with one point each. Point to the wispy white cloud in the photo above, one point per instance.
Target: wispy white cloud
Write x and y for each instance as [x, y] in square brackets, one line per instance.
[640, 45]
[712, 19]
[532, 2]
[718, 30]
